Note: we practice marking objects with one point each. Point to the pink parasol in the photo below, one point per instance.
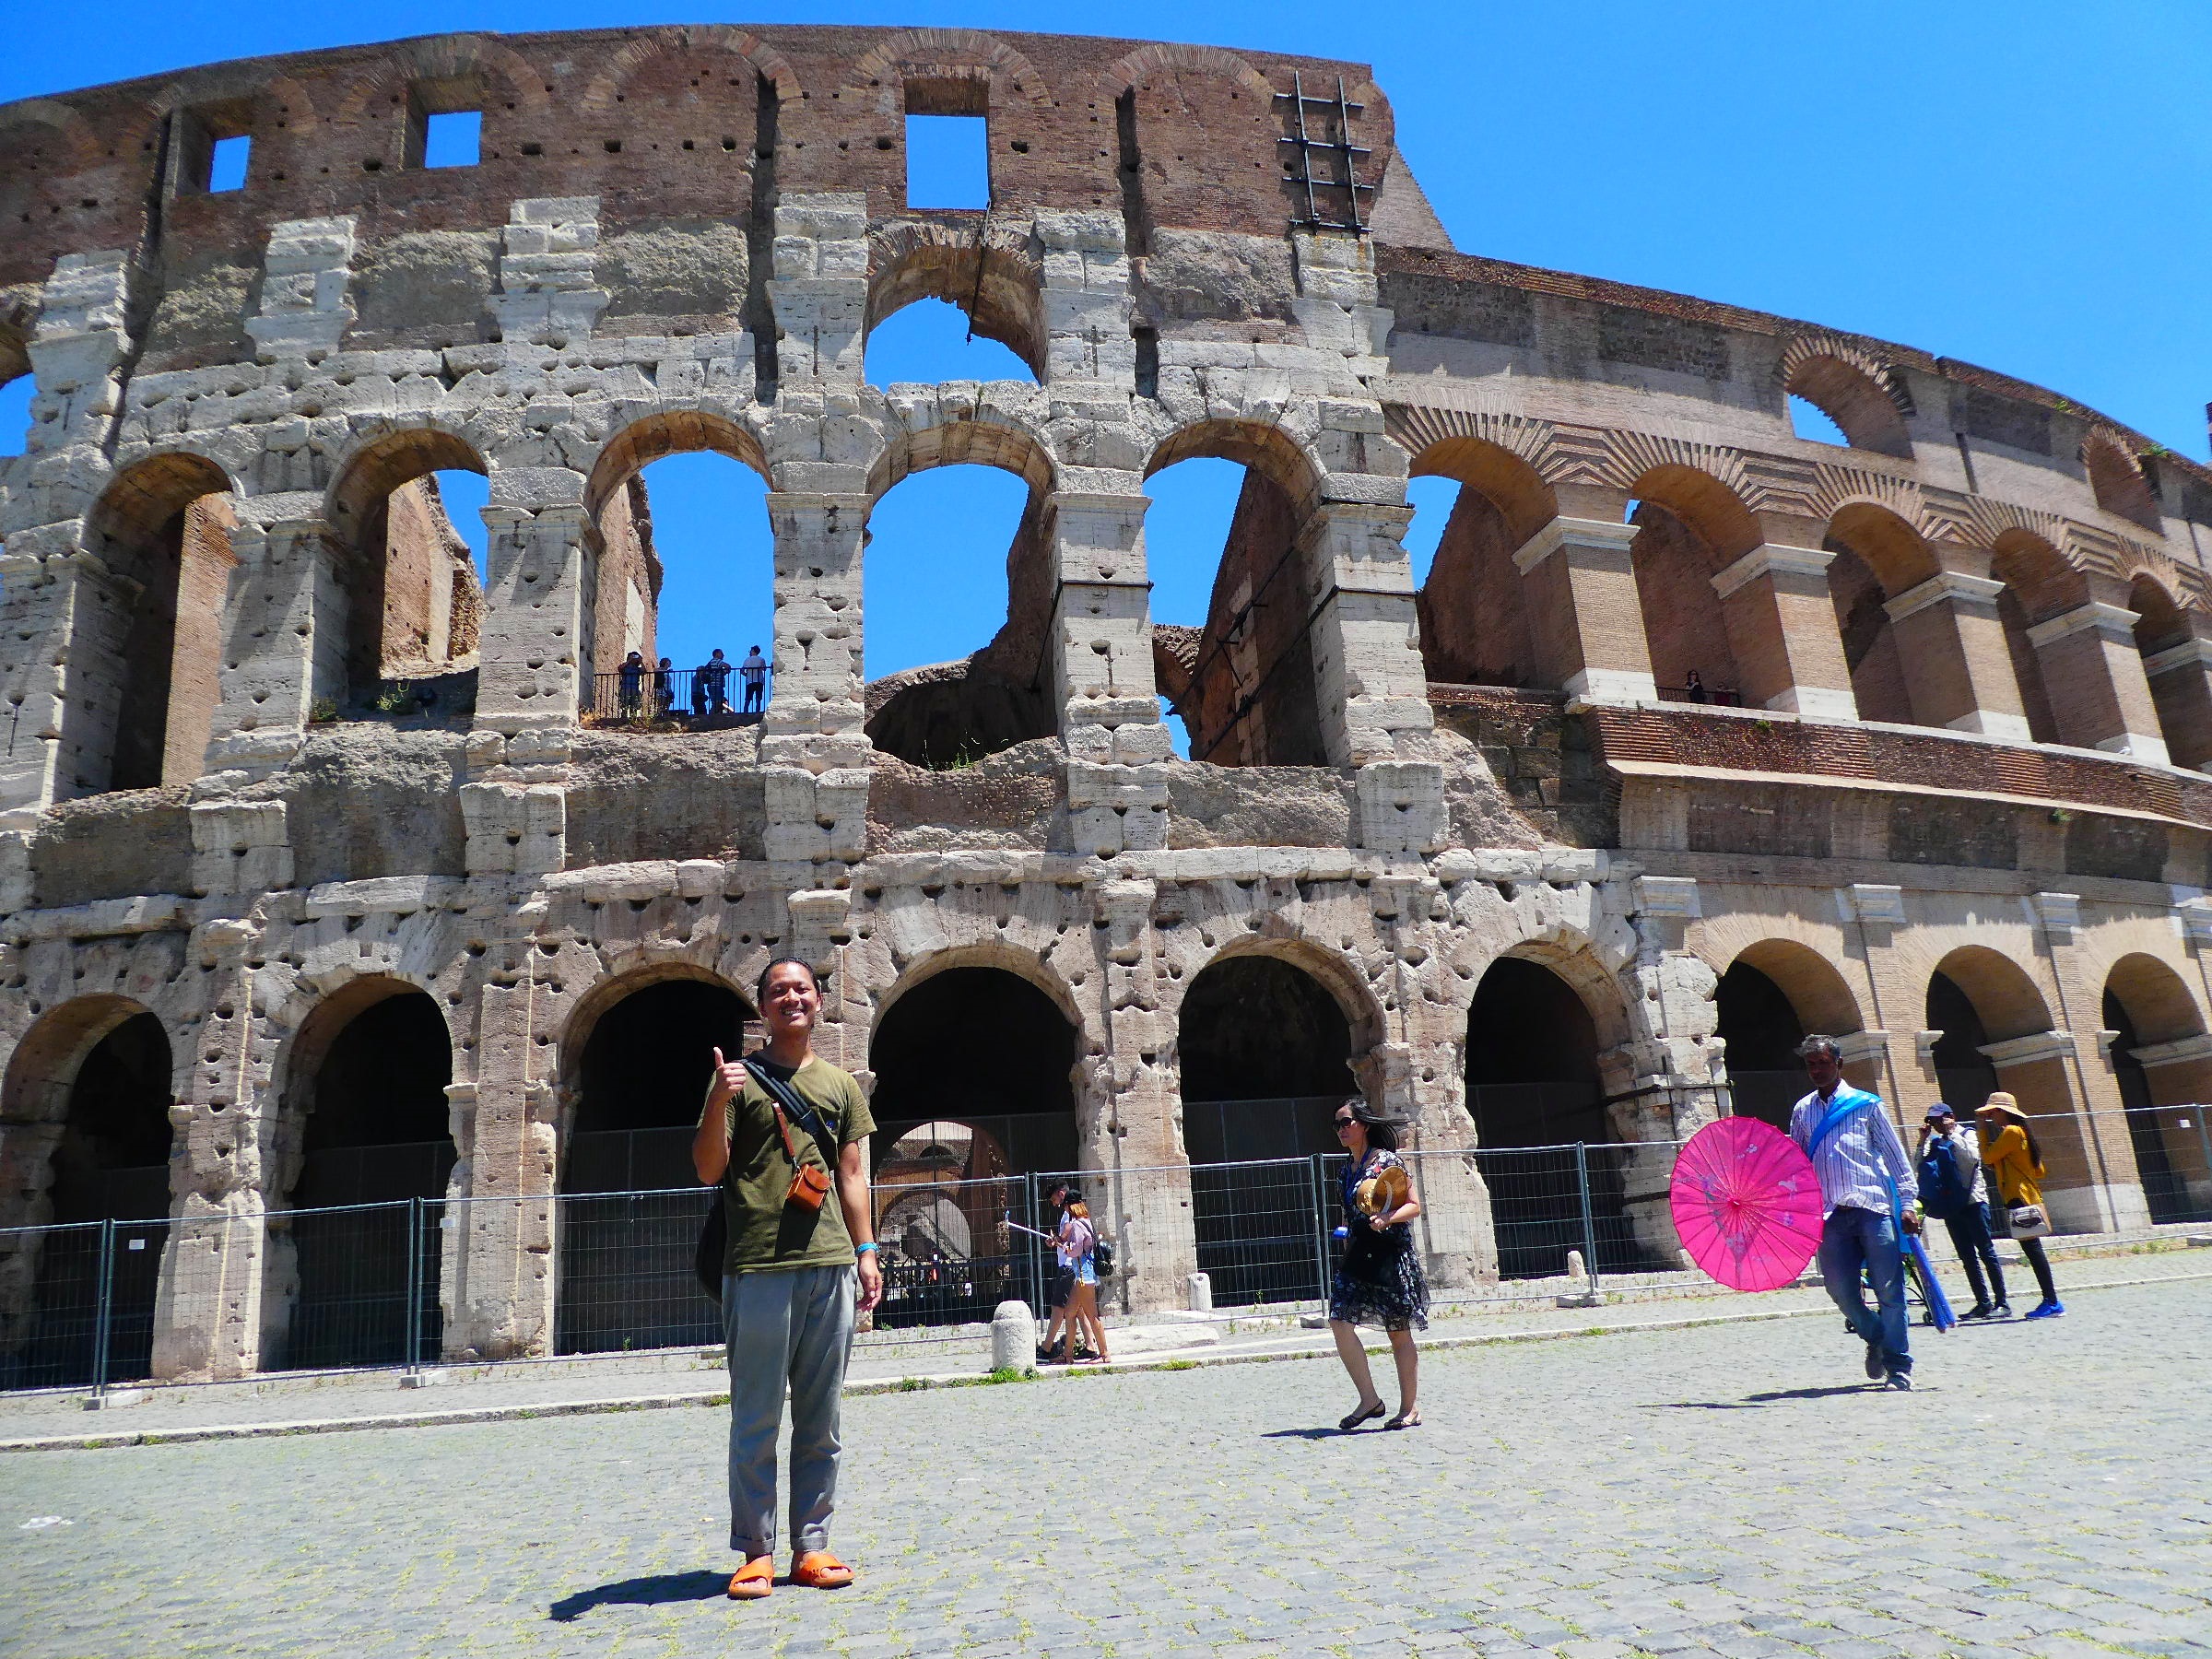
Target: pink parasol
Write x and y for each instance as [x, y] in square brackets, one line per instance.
[1745, 1204]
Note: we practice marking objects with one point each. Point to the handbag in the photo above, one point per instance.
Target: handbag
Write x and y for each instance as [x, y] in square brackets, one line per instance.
[2027, 1221]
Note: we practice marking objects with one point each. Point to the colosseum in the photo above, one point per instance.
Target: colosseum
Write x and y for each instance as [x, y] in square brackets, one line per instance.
[329, 877]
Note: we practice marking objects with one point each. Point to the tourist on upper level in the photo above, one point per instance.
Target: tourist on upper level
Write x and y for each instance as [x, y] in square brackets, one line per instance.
[1865, 1173]
[711, 687]
[1694, 688]
[663, 688]
[1953, 1190]
[753, 674]
[2015, 1162]
[631, 681]
[1378, 1279]
[788, 1128]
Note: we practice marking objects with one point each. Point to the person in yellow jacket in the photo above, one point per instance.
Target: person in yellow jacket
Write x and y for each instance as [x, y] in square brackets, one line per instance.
[2015, 1164]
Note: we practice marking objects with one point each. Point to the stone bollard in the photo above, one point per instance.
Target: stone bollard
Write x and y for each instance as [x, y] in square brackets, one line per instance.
[1201, 1286]
[1013, 1336]
[1580, 1293]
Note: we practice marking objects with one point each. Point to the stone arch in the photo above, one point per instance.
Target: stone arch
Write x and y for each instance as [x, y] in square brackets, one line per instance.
[1133, 67]
[1859, 393]
[447, 58]
[2040, 583]
[1336, 971]
[1035, 1108]
[1772, 995]
[1877, 556]
[85, 1113]
[1254, 697]
[993, 279]
[605, 89]
[2116, 478]
[409, 582]
[1158, 93]
[638, 444]
[972, 435]
[937, 55]
[79, 146]
[1474, 625]
[317, 1018]
[2005, 998]
[1690, 525]
[2161, 1060]
[145, 646]
[2159, 622]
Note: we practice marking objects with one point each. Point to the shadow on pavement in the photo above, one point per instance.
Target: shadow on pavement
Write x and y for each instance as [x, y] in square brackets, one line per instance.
[1329, 1433]
[1753, 1402]
[655, 1590]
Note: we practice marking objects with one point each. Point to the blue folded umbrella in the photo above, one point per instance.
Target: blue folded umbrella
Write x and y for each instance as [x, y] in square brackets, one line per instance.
[1939, 1305]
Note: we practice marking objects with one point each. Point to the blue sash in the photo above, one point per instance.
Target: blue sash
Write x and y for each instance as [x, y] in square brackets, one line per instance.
[1839, 1113]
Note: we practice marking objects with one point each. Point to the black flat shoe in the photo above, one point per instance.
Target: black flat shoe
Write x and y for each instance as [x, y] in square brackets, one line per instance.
[1362, 1415]
[1404, 1420]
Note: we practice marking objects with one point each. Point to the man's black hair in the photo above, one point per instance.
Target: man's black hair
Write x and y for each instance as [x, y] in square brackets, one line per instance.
[761, 984]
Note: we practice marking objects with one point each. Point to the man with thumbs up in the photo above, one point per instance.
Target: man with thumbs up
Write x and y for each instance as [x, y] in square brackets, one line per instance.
[782, 1133]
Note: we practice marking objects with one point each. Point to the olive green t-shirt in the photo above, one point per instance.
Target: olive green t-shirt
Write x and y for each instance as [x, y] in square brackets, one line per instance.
[766, 1232]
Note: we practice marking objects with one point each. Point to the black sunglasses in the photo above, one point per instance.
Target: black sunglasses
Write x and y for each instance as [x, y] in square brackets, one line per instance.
[1344, 1123]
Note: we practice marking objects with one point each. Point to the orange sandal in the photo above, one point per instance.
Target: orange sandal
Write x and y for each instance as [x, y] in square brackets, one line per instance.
[818, 1570]
[756, 1578]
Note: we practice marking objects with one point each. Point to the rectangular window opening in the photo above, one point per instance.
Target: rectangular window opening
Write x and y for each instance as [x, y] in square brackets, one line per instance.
[452, 138]
[948, 161]
[226, 159]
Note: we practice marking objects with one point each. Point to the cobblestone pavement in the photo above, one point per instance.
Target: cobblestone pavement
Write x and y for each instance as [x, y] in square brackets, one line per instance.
[1735, 1489]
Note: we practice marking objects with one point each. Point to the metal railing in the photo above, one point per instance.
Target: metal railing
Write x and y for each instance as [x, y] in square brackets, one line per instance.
[366, 1283]
[684, 696]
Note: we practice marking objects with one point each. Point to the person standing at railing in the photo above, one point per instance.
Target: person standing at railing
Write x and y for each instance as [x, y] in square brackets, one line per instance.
[663, 688]
[1865, 1175]
[788, 1130]
[1378, 1279]
[1953, 1191]
[630, 681]
[2015, 1164]
[753, 675]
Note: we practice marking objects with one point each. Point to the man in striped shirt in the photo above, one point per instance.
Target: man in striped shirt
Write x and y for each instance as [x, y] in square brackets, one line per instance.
[1867, 1191]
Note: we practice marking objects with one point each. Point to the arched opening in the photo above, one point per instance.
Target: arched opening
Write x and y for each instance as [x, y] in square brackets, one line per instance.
[685, 561]
[636, 1066]
[1833, 401]
[2161, 1060]
[1877, 557]
[364, 1136]
[1547, 1137]
[88, 1101]
[145, 648]
[412, 581]
[958, 1138]
[2116, 478]
[1475, 627]
[954, 654]
[1251, 696]
[1265, 1050]
[1773, 994]
[2178, 697]
[16, 389]
[2039, 585]
[1690, 526]
[1762, 1030]
[941, 307]
[1996, 1034]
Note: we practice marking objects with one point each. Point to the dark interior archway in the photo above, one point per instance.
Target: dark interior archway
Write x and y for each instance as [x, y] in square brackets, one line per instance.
[111, 1164]
[1266, 1054]
[631, 1205]
[974, 1093]
[1532, 1060]
[373, 1139]
[2164, 1187]
[984, 1047]
[1964, 1076]
[1761, 1027]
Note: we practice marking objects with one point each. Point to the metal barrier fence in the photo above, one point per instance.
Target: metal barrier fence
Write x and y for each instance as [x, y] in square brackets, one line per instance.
[362, 1285]
[685, 696]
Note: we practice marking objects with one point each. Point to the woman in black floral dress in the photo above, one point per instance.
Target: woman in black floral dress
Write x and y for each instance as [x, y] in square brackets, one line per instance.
[1379, 1280]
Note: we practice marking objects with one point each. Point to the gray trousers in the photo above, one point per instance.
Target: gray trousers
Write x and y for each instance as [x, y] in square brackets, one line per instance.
[793, 1327]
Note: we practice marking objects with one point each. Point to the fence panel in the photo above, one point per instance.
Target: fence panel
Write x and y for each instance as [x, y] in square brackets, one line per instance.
[1262, 1230]
[951, 1251]
[363, 1282]
[76, 1302]
[2173, 1158]
[627, 1275]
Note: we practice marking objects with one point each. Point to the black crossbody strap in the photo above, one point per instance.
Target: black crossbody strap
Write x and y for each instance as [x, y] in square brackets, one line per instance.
[785, 1096]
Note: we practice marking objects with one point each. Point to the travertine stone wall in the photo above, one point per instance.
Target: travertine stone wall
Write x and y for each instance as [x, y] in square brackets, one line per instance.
[1949, 735]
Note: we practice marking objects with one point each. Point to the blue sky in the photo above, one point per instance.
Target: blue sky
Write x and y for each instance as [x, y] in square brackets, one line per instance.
[2026, 185]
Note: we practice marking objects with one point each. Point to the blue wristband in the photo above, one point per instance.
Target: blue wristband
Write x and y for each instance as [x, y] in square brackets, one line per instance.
[861, 1250]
